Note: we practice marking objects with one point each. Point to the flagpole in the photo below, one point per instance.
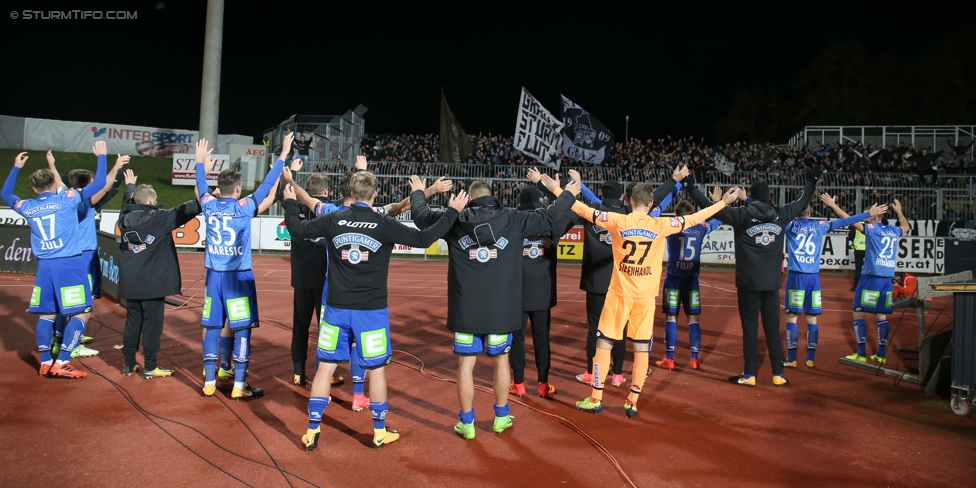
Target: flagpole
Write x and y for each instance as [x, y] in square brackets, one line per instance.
[626, 128]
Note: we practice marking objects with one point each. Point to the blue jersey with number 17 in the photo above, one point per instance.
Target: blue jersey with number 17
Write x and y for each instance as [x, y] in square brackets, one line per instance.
[228, 224]
[880, 245]
[53, 219]
[684, 249]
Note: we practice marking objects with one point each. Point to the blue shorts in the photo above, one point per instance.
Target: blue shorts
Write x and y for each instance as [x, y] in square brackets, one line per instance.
[230, 295]
[61, 286]
[873, 295]
[94, 273]
[340, 327]
[802, 294]
[681, 290]
[474, 344]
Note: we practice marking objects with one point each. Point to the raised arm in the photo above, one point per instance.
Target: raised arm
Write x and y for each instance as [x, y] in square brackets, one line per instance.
[54, 169]
[832, 203]
[311, 202]
[702, 215]
[902, 221]
[588, 195]
[544, 220]
[130, 187]
[201, 169]
[94, 193]
[11, 182]
[439, 186]
[94, 187]
[875, 211]
[264, 189]
[796, 207]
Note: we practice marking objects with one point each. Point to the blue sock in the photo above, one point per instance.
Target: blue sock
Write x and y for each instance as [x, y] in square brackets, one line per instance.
[813, 338]
[882, 337]
[791, 332]
[242, 355]
[45, 332]
[746, 376]
[316, 407]
[502, 411]
[379, 410]
[694, 337]
[670, 338]
[226, 346]
[72, 337]
[210, 351]
[467, 417]
[357, 372]
[860, 333]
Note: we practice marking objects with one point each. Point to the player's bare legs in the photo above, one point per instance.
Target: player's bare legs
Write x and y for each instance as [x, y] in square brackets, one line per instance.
[465, 382]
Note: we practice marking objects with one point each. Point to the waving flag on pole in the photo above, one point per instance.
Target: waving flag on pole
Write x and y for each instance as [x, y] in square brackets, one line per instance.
[454, 143]
[585, 138]
[537, 132]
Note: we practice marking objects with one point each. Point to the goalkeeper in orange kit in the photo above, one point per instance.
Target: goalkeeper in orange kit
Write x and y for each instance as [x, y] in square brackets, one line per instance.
[638, 252]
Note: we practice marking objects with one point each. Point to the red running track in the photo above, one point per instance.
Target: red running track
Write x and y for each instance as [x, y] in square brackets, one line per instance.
[832, 426]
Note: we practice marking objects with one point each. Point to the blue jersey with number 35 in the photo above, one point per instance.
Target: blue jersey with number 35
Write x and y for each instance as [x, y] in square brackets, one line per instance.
[880, 247]
[53, 219]
[684, 249]
[228, 224]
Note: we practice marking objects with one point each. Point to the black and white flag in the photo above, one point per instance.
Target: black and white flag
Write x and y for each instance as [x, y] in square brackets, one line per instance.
[537, 132]
[585, 138]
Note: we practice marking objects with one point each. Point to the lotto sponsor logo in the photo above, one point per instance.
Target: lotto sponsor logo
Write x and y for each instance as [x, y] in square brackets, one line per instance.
[358, 225]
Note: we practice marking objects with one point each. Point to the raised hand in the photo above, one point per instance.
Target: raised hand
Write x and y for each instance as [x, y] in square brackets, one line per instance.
[574, 175]
[574, 187]
[417, 184]
[202, 150]
[130, 177]
[743, 195]
[534, 175]
[680, 172]
[120, 162]
[897, 207]
[550, 183]
[360, 162]
[100, 148]
[459, 201]
[297, 164]
[288, 193]
[828, 200]
[716, 194]
[50, 159]
[441, 185]
[877, 210]
[20, 160]
[287, 176]
[286, 146]
[731, 196]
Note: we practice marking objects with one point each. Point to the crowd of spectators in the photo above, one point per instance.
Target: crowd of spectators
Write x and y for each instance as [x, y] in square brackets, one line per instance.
[873, 169]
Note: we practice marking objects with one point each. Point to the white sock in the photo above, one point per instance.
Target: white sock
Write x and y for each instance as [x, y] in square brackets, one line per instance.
[211, 383]
[239, 385]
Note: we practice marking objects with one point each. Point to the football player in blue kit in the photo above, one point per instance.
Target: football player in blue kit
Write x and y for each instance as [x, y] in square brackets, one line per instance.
[61, 284]
[873, 292]
[681, 287]
[230, 290]
[804, 243]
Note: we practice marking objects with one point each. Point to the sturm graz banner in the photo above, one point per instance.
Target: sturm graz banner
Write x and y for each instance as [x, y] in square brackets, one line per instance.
[585, 138]
[537, 132]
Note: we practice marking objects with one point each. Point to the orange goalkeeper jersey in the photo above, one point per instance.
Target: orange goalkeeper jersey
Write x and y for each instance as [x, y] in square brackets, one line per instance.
[638, 246]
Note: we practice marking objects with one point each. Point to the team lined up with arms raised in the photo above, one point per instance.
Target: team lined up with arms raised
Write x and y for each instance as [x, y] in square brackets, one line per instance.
[501, 276]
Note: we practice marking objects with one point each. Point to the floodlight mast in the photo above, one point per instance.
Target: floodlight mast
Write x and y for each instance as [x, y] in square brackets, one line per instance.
[210, 87]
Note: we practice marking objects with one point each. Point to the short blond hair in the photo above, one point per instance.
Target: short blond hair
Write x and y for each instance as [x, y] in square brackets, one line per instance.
[643, 195]
[143, 194]
[480, 188]
[363, 185]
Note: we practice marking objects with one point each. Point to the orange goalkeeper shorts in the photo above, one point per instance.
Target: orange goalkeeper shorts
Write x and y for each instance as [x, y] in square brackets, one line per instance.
[618, 311]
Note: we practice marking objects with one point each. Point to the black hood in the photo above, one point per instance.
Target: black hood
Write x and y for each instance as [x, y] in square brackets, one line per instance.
[762, 211]
[480, 216]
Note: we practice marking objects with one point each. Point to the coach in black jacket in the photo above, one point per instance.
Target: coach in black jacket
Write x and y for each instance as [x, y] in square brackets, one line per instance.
[539, 254]
[148, 270]
[484, 283]
[759, 241]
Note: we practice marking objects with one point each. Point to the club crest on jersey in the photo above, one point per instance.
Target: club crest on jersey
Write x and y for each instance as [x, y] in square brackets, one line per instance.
[535, 248]
[70, 193]
[354, 254]
[600, 215]
[676, 221]
[638, 233]
[605, 237]
[19, 204]
[483, 254]
[242, 202]
[765, 234]
[208, 198]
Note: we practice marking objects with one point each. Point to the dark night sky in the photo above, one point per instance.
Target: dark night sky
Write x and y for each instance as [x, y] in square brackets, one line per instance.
[673, 69]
